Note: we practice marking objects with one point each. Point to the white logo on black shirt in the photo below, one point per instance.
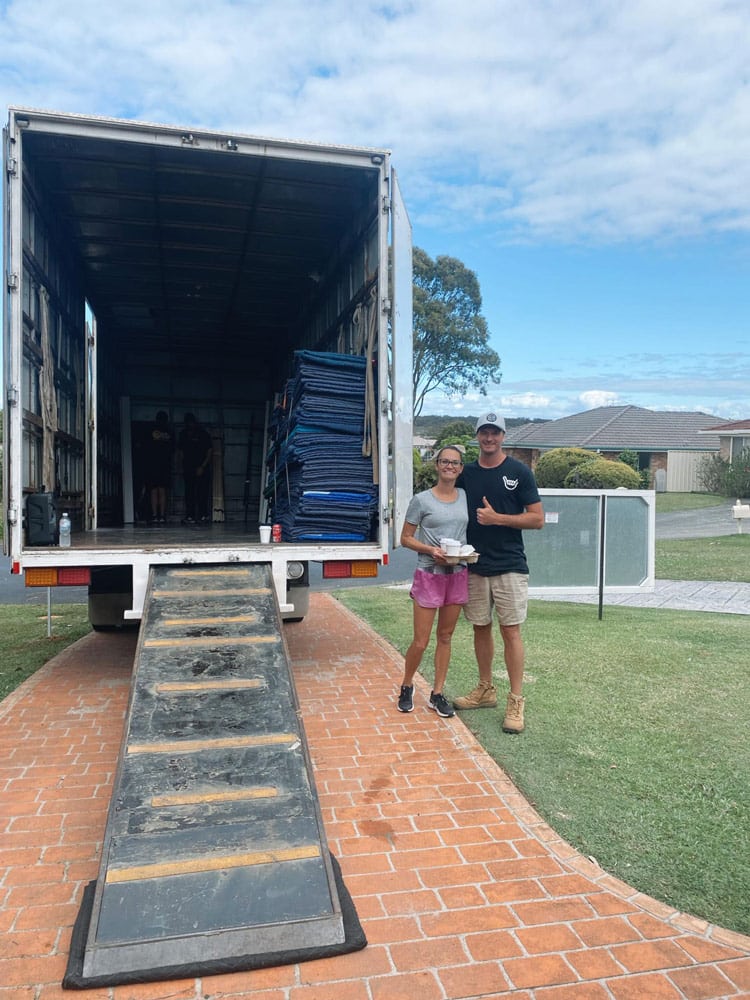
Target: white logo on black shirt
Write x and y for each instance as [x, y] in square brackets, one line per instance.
[510, 484]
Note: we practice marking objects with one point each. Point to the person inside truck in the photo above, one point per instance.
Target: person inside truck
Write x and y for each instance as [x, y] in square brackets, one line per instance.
[440, 583]
[158, 462]
[195, 446]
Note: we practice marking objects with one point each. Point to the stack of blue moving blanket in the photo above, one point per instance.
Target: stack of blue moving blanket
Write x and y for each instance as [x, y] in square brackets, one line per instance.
[320, 485]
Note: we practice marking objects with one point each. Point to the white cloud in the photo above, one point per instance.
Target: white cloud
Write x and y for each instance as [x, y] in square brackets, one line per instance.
[598, 397]
[571, 120]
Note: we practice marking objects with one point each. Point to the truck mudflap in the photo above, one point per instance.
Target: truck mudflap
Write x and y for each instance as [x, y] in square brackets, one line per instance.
[214, 855]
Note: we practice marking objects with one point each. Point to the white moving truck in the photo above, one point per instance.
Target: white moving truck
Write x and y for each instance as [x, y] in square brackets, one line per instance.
[154, 268]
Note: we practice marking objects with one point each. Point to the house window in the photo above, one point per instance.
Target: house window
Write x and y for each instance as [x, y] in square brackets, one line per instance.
[737, 445]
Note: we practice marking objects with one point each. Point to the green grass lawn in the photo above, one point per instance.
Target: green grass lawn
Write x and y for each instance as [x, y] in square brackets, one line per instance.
[667, 503]
[723, 558]
[26, 646]
[636, 750]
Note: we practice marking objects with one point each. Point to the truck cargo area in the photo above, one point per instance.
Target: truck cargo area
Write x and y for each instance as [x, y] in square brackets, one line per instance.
[152, 268]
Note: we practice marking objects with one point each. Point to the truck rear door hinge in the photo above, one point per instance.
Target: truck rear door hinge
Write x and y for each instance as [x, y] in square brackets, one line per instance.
[386, 515]
[12, 282]
[386, 306]
[11, 166]
[386, 204]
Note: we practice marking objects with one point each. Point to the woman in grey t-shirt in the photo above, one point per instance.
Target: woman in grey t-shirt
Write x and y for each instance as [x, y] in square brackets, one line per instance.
[440, 512]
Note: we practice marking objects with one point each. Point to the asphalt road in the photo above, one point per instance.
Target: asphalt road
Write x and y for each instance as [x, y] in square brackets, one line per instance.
[709, 522]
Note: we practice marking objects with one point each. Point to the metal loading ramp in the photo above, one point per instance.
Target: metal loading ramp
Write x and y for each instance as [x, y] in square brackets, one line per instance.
[214, 846]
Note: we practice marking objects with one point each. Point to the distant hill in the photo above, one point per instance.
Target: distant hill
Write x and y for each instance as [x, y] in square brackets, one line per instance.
[429, 425]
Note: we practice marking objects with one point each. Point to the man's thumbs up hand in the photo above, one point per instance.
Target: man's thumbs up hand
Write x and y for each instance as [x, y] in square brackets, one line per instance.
[485, 513]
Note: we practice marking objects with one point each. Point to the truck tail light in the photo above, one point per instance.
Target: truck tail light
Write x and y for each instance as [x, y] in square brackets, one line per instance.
[74, 576]
[341, 570]
[337, 570]
[51, 576]
[41, 577]
[365, 568]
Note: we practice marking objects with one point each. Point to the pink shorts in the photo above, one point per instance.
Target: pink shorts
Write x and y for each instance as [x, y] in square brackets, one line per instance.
[435, 590]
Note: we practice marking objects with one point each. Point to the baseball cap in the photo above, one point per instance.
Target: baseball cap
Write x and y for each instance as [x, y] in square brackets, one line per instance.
[490, 420]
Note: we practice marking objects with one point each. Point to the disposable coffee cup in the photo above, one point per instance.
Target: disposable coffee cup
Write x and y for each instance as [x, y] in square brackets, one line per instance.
[265, 533]
[451, 546]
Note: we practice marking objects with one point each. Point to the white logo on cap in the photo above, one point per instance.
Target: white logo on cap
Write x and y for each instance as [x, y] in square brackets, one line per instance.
[491, 417]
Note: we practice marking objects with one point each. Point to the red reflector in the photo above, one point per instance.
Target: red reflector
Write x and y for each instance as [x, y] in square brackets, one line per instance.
[336, 570]
[74, 576]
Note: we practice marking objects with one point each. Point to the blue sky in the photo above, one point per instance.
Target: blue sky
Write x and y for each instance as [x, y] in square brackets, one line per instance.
[589, 159]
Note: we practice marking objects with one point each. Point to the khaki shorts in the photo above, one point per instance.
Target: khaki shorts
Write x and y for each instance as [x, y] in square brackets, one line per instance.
[508, 593]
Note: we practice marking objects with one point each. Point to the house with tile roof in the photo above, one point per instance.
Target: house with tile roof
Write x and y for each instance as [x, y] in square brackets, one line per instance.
[423, 445]
[671, 445]
[734, 438]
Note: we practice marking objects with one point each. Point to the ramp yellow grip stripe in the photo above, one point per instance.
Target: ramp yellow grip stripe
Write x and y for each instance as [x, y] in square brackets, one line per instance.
[212, 640]
[216, 620]
[196, 865]
[241, 795]
[226, 743]
[190, 573]
[177, 687]
[194, 595]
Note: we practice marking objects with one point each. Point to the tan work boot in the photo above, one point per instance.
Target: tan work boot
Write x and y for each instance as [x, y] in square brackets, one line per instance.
[513, 721]
[483, 696]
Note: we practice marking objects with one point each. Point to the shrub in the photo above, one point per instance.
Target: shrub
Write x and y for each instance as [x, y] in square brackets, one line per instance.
[553, 466]
[726, 479]
[602, 474]
[425, 478]
[424, 474]
[712, 474]
[738, 476]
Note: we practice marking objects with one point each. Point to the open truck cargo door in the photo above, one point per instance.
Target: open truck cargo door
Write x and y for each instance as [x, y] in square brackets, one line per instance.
[12, 346]
[402, 347]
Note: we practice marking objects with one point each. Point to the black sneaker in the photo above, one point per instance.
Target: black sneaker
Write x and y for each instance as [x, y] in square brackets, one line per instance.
[439, 704]
[406, 699]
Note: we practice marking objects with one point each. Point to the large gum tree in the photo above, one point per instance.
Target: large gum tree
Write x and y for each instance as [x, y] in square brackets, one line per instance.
[451, 338]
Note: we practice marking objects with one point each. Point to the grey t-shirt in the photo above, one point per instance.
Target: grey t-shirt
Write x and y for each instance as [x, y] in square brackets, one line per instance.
[436, 519]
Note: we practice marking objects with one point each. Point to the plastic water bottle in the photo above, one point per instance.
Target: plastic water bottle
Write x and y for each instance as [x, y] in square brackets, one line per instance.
[65, 531]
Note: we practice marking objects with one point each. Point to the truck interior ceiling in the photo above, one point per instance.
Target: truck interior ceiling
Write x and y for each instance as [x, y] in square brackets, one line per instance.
[190, 271]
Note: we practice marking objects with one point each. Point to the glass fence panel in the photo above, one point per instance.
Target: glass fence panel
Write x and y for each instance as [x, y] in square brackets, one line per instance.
[565, 553]
[626, 541]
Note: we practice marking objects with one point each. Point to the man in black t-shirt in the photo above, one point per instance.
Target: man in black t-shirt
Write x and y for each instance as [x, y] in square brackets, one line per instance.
[503, 501]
